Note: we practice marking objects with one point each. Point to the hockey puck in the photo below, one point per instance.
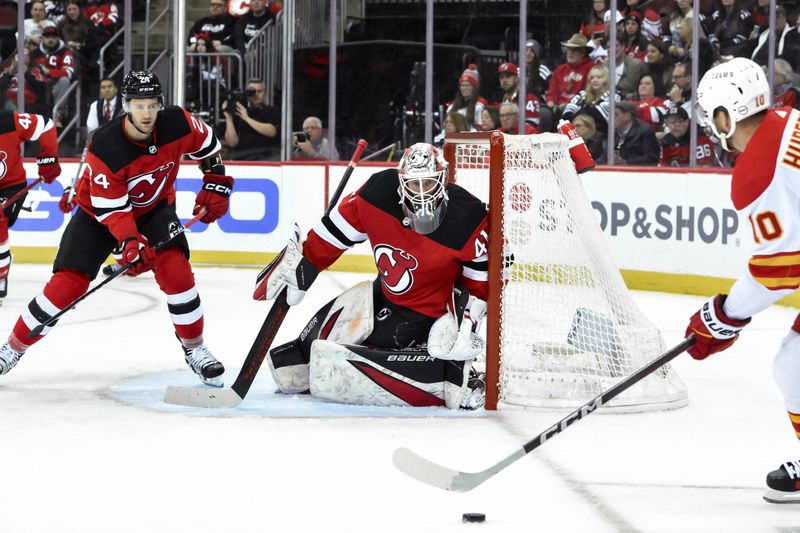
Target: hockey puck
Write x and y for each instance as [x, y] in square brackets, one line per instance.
[473, 517]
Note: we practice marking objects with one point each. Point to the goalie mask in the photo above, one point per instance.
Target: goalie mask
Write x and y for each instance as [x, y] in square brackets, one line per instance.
[423, 177]
[738, 86]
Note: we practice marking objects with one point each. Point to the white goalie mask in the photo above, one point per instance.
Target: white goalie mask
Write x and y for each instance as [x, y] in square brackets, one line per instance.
[738, 86]
[423, 177]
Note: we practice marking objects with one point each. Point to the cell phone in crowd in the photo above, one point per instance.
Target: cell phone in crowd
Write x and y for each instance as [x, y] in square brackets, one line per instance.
[301, 137]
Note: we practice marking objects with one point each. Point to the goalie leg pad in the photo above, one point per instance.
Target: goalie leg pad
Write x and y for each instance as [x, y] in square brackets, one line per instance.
[366, 376]
[289, 367]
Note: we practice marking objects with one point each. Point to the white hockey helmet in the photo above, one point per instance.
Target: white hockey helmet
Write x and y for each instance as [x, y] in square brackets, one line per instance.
[423, 178]
[738, 86]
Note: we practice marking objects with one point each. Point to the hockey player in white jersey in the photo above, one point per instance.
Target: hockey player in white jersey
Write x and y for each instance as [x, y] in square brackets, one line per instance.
[733, 100]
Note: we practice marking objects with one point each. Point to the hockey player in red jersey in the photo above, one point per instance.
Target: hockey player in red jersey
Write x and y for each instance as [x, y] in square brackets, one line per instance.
[126, 198]
[16, 128]
[391, 341]
[734, 101]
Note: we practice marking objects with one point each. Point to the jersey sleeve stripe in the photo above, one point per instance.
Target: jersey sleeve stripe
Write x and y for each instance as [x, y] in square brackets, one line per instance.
[109, 203]
[480, 263]
[344, 226]
[477, 275]
[777, 284]
[42, 125]
[210, 145]
[322, 230]
[779, 259]
[102, 214]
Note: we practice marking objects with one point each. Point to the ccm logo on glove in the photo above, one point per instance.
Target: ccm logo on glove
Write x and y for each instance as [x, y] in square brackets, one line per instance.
[218, 188]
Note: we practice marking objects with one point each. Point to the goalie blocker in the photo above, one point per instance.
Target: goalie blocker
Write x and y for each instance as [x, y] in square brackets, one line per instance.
[334, 359]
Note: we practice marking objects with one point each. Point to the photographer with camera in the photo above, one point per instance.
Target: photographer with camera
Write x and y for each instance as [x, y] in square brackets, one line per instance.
[311, 143]
[251, 126]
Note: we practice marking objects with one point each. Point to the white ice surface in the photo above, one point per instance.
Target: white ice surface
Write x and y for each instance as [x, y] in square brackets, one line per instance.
[86, 445]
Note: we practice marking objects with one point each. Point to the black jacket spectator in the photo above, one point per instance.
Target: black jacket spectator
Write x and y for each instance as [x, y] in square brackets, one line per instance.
[218, 27]
[250, 23]
[729, 28]
[639, 145]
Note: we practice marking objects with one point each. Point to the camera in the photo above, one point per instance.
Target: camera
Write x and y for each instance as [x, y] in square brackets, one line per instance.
[300, 136]
[237, 96]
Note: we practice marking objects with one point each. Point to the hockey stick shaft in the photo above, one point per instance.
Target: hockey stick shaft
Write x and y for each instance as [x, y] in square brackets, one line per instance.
[38, 329]
[266, 334]
[19, 194]
[75, 179]
[442, 477]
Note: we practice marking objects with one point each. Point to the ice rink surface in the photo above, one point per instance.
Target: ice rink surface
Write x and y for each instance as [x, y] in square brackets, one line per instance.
[87, 446]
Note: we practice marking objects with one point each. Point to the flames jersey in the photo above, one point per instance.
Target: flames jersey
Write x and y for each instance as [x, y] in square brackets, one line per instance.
[123, 178]
[416, 271]
[766, 189]
[16, 128]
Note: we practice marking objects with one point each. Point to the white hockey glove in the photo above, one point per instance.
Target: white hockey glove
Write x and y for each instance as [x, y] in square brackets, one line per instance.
[447, 340]
[289, 269]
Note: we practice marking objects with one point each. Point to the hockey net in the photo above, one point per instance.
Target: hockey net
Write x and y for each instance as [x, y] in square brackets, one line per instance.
[562, 326]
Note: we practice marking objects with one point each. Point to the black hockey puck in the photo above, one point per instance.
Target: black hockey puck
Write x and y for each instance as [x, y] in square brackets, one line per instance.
[473, 517]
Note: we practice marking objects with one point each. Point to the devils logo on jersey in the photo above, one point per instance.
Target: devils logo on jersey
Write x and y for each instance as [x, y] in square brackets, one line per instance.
[395, 268]
[3, 167]
[145, 188]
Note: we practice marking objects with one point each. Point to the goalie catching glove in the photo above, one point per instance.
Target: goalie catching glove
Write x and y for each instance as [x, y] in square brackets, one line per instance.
[713, 330]
[448, 340]
[290, 270]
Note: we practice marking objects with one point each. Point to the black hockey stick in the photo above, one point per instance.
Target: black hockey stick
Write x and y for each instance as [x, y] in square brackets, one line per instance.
[172, 234]
[231, 397]
[19, 194]
[442, 477]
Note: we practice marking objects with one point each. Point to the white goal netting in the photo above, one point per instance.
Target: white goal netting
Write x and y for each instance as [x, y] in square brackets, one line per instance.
[569, 328]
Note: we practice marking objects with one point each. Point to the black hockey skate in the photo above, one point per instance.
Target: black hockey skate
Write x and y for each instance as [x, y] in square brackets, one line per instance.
[784, 484]
[204, 365]
[475, 395]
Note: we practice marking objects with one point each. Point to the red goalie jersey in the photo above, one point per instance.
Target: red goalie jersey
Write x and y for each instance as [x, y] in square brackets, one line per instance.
[16, 128]
[123, 177]
[416, 271]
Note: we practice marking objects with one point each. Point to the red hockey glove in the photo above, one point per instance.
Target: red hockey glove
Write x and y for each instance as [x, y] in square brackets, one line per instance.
[49, 169]
[65, 204]
[214, 196]
[577, 148]
[713, 330]
[135, 249]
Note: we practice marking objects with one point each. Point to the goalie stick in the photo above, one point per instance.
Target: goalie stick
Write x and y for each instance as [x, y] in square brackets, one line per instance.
[233, 396]
[172, 234]
[445, 478]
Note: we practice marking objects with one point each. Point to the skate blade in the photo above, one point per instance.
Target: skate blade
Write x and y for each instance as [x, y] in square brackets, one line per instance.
[213, 382]
[777, 496]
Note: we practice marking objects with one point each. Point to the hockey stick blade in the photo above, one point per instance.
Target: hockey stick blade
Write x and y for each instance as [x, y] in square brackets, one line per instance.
[436, 475]
[202, 397]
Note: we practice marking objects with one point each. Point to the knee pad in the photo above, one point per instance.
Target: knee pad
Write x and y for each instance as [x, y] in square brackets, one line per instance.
[786, 371]
[289, 367]
[173, 272]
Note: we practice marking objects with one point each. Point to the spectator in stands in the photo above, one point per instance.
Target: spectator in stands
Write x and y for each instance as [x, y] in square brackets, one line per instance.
[649, 107]
[598, 45]
[635, 43]
[676, 144]
[467, 100]
[509, 120]
[538, 74]
[587, 129]
[75, 27]
[659, 64]
[56, 62]
[104, 18]
[55, 10]
[594, 26]
[677, 48]
[250, 23]
[593, 100]
[34, 26]
[729, 27]
[634, 142]
[491, 118]
[35, 85]
[108, 106]
[760, 13]
[681, 92]
[569, 77]
[508, 75]
[629, 71]
[251, 127]
[453, 123]
[787, 42]
[785, 94]
[709, 53]
[652, 21]
[218, 27]
[315, 145]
